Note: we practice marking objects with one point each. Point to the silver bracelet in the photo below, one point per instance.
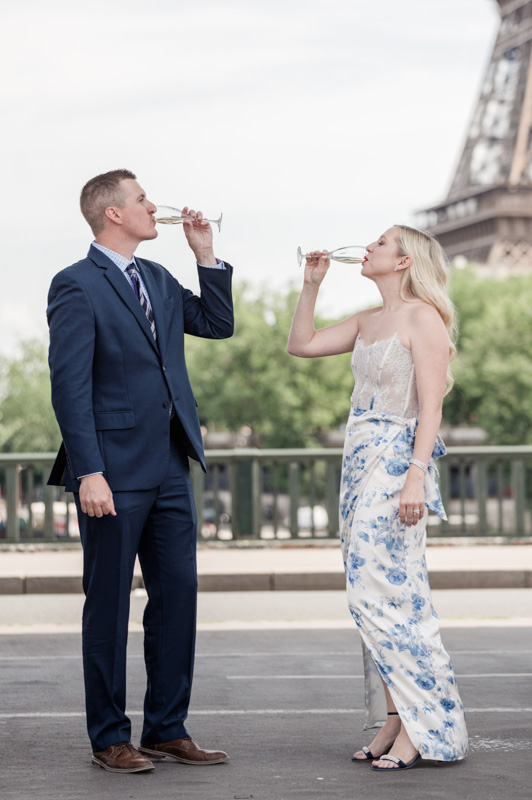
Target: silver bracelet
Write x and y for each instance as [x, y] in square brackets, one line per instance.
[419, 464]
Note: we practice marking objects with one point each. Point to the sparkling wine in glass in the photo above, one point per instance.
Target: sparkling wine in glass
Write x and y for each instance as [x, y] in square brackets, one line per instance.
[167, 215]
[354, 254]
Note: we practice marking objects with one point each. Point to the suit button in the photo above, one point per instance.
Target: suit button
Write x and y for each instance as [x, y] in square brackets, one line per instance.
[165, 405]
[164, 369]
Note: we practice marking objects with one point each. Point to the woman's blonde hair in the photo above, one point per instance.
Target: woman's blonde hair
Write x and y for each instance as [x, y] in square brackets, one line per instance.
[426, 280]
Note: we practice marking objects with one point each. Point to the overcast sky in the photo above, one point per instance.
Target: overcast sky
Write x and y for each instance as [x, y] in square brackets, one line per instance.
[307, 123]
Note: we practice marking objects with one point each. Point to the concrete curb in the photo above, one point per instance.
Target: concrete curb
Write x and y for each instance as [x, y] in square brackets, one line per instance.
[48, 584]
[277, 581]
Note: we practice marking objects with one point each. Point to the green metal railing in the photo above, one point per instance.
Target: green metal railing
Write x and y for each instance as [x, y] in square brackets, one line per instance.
[283, 494]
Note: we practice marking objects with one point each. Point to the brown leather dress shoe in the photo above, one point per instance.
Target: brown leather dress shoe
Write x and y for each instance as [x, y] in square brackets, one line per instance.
[186, 751]
[122, 757]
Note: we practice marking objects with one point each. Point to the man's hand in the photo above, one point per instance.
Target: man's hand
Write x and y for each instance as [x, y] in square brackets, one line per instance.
[199, 237]
[96, 497]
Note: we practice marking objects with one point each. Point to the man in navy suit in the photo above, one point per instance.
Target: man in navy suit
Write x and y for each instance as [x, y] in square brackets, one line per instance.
[128, 418]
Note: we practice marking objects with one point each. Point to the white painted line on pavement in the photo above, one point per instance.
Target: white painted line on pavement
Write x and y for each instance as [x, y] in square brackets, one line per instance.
[461, 676]
[356, 677]
[291, 677]
[248, 712]
[273, 653]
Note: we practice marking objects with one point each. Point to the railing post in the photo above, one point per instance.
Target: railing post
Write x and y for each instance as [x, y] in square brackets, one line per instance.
[482, 496]
[68, 499]
[332, 499]
[462, 485]
[12, 502]
[275, 487]
[518, 492]
[294, 498]
[216, 496]
[48, 497]
[312, 495]
[444, 467]
[197, 486]
[256, 484]
[30, 486]
[246, 492]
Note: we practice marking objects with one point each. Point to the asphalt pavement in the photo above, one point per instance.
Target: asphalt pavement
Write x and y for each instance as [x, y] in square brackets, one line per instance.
[287, 705]
[278, 685]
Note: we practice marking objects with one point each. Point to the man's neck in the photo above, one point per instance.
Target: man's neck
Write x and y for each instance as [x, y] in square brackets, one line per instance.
[126, 249]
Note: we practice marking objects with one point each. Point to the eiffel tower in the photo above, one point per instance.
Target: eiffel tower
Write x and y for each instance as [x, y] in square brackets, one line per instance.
[487, 216]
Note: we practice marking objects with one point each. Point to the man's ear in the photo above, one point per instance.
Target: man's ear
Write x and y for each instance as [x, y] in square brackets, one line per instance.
[113, 213]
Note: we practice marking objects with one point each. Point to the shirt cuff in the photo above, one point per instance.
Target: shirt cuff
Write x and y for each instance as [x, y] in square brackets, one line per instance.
[89, 474]
[219, 265]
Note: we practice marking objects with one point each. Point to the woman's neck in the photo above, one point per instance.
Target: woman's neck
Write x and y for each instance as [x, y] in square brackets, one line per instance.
[391, 297]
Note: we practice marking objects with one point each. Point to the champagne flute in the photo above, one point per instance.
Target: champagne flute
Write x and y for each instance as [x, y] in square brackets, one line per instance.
[354, 254]
[167, 215]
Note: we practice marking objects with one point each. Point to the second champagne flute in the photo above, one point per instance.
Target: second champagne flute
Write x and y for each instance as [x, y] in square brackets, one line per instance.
[353, 254]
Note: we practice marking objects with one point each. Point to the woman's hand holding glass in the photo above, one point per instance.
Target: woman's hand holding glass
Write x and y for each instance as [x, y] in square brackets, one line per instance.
[352, 254]
[316, 267]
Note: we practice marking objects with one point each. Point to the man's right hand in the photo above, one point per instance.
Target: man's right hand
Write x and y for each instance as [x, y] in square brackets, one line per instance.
[96, 497]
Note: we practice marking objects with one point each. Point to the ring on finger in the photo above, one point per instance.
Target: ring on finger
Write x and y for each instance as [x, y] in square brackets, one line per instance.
[416, 511]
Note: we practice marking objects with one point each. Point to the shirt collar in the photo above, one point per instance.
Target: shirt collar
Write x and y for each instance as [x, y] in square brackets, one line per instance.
[121, 261]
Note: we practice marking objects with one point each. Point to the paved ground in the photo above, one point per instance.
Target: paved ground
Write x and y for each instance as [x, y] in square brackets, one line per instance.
[288, 707]
[279, 686]
[266, 610]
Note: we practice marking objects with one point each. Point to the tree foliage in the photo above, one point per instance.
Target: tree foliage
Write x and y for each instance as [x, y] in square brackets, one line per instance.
[251, 379]
[27, 420]
[493, 371]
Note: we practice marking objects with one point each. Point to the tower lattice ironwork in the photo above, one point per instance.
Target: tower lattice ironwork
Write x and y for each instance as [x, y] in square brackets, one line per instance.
[487, 216]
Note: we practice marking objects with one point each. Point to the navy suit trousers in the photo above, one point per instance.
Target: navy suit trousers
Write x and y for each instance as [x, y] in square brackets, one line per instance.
[160, 526]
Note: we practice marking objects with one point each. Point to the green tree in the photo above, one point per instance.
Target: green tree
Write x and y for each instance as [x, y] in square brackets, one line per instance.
[250, 379]
[493, 371]
[27, 420]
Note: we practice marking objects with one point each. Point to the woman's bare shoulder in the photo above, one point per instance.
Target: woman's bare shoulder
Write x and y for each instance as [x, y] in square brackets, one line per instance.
[426, 325]
[421, 313]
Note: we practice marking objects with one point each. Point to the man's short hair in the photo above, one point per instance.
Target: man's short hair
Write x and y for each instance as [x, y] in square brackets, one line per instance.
[101, 192]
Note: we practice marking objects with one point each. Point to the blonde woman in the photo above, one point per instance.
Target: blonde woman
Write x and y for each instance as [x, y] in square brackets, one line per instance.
[401, 355]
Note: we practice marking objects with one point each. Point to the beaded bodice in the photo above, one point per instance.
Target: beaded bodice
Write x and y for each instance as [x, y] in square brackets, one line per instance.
[385, 378]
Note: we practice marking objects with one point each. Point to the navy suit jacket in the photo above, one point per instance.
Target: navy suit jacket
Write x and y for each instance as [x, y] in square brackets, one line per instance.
[112, 384]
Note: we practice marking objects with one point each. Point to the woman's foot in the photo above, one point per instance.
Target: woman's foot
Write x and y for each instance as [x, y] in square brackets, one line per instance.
[383, 741]
[402, 749]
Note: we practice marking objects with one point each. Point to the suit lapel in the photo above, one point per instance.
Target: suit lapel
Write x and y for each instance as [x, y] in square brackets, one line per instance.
[123, 289]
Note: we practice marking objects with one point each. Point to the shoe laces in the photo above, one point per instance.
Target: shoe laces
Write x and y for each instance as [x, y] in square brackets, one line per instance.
[123, 745]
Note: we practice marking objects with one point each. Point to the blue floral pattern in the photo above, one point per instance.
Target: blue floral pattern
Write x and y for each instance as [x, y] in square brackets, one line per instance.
[386, 574]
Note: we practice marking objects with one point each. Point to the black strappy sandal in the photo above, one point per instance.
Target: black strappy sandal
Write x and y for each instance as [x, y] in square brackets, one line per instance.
[367, 752]
[400, 764]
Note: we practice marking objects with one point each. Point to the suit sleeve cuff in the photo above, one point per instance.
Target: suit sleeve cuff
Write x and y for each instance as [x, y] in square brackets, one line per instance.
[219, 265]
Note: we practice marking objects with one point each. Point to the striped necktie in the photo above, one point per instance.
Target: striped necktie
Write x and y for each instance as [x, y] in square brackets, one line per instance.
[137, 286]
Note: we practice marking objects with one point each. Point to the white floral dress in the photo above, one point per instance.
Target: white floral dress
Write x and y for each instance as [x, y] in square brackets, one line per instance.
[387, 583]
